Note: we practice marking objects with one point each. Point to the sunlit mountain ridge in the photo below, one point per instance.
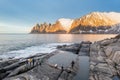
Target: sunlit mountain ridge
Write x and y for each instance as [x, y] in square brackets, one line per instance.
[94, 22]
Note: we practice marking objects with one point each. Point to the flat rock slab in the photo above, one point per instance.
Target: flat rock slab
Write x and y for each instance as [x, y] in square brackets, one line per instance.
[44, 72]
[63, 58]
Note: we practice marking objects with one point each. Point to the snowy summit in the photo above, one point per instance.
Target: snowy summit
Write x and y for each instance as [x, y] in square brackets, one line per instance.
[66, 23]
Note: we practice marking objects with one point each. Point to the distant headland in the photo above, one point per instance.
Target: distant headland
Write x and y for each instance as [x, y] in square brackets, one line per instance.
[94, 22]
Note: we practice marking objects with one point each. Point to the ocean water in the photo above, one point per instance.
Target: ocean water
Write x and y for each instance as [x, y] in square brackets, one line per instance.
[24, 45]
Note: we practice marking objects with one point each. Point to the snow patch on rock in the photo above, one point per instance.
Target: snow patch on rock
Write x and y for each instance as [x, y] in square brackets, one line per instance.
[66, 23]
[111, 15]
[114, 15]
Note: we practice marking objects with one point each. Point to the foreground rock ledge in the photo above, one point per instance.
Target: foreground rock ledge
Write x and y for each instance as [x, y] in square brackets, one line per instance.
[105, 59]
[104, 63]
[38, 67]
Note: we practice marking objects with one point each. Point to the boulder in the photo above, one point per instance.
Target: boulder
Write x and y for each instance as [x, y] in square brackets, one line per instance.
[101, 59]
[110, 62]
[103, 68]
[14, 65]
[96, 77]
[107, 42]
[92, 63]
[111, 49]
[108, 51]
[7, 63]
[86, 42]
[92, 54]
[115, 57]
[94, 47]
[92, 67]
[71, 48]
[97, 59]
[19, 70]
[101, 53]
[85, 45]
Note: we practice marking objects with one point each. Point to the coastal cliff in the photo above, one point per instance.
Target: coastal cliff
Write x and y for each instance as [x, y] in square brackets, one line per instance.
[95, 22]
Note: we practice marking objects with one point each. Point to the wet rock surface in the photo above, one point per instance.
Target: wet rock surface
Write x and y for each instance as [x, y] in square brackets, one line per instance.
[38, 67]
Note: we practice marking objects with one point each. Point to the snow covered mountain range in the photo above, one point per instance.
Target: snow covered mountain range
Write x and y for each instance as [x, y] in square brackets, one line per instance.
[95, 22]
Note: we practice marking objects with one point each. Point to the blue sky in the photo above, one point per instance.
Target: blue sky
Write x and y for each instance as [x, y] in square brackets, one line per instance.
[19, 16]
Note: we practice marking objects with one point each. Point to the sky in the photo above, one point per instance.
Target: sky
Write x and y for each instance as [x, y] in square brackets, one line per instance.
[19, 16]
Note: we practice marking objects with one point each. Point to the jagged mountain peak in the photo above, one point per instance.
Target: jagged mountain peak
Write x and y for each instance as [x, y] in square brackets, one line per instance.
[91, 20]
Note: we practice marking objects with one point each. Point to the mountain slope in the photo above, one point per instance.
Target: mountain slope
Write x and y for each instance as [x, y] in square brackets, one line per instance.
[92, 22]
[96, 19]
[114, 29]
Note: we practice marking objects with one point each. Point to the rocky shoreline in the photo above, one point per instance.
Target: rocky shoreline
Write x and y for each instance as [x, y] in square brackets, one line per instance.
[104, 59]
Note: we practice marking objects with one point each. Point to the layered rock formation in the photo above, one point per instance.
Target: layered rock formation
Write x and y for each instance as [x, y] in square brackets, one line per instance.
[105, 60]
[95, 22]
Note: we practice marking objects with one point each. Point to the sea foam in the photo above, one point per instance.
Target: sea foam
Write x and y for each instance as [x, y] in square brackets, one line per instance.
[33, 50]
